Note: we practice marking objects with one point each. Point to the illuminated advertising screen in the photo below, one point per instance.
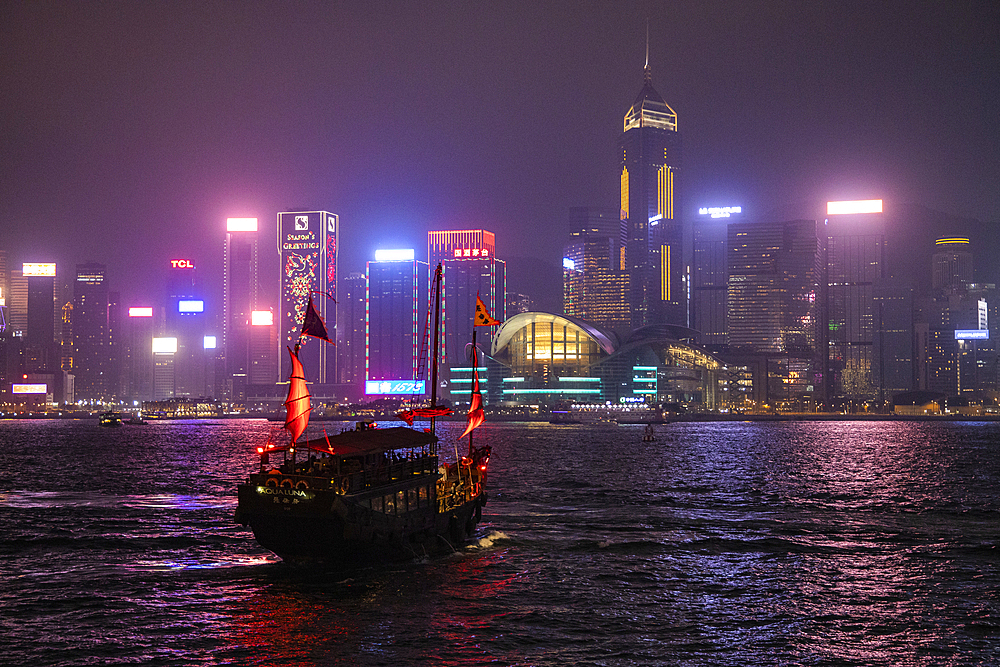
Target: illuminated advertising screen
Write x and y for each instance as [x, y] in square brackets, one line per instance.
[853, 207]
[29, 389]
[36, 269]
[241, 224]
[460, 244]
[181, 264]
[261, 318]
[388, 387]
[394, 255]
[307, 241]
[164, 346]
[972, 334]
[140, 312]
[193, 306]
[209, 342]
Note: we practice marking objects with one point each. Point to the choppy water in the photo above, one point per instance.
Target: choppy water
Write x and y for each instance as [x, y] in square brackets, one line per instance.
[831, 543]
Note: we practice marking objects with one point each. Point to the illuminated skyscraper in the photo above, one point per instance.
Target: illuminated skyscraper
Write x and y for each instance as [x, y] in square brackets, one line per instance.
[396, 308]
[307, 245]
[351, 330]
[138, 354]
[709, 274]
[263, 348]
[186, 318]
[592, 289]
[855, 263]
[91, 332]
[239, 298]
[470, 268]
[40, 352]
[651, 209]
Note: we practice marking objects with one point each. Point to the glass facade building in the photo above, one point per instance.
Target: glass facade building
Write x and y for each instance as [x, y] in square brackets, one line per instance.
[396, 315]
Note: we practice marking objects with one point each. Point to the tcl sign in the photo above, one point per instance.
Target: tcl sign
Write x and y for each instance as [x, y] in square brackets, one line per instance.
[181, 264]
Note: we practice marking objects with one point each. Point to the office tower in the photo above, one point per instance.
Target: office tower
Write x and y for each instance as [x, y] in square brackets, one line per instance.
[954, 351]
[855, 263]
[164, 382]
[951, 263]
[351, 329]
[892, 360]
[263, 348]
[651, 208]
[593, 289]
[239, 298]
[519, 303]
[774, 276]
[709, 274]
[470, 268]
[138, 354]
[40, 353]
[396, 306]
[594, 222]
[307, 244]
[17, 304]
[186, 312]
[91, 334]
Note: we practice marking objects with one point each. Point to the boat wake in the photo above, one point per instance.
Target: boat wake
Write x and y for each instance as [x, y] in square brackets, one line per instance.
[490, 539]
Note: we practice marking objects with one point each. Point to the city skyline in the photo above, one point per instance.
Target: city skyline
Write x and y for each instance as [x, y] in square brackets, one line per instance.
[119, 140]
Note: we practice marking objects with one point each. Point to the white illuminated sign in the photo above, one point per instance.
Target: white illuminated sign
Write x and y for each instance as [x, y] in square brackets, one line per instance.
[190, 306]
[241, 224]
[383, 387]
[140, 312]
[164, 346]
[569, 264]
[972, 334]
[35, 269]
[29, 389]
[261, 318]
[984, 322]
[720, 211]
[209, 342]
[853, 207]
[395, 255]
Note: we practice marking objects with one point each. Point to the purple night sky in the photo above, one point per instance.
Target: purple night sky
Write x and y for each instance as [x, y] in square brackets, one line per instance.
[131, 130]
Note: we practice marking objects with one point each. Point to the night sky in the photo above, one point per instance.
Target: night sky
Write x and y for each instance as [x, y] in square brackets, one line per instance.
[131, 130]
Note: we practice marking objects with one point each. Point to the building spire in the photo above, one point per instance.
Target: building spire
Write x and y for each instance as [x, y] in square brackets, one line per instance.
[647, 74]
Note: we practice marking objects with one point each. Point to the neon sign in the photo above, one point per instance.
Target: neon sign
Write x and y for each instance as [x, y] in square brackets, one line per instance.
[972, 334]
[720, 211]
[209, 343]
[395, 255]
[383, 387]
[853, 207]
[164, 345]
[36, 269]
[194, 306]
[462, 253]
[569, 264]
[261, 318]
[140, 312]
[181, 264]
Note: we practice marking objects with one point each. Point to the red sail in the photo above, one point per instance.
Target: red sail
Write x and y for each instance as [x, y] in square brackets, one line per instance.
[297, 404]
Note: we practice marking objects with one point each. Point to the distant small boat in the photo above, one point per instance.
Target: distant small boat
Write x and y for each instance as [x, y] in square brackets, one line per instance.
[136, 421]
[110, 420]
[649, 435]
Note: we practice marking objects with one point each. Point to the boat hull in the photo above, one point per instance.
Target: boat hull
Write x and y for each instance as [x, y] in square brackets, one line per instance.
[304, 524]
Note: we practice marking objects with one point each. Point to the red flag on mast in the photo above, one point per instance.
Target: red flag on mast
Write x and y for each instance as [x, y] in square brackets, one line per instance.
[476, 416]
[483, 317]
[297, 404]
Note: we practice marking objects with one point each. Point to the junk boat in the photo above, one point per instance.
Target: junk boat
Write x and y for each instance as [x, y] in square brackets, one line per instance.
[368, 493]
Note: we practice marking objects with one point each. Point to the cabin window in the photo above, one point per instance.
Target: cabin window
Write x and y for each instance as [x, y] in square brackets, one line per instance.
[401, 501]
[377, 504]
[424, 492]
[412, 501]
[390, 504]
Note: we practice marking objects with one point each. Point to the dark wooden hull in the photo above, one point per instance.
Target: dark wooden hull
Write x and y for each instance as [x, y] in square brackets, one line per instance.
[323, 524]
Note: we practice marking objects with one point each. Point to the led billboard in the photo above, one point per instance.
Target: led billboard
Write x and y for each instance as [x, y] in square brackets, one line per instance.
[36, 269]
[261, 318]
[720, 211]
[972, 334]
[140, 312]
[394, 255]
[209, 342]
[387, 387]
[164, 346]
[193, 306]
[29, 389]
[853, 207]
[241, 224]
[181, 264]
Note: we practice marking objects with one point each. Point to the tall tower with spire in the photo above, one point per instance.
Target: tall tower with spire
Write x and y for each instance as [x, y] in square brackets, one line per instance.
[650, 210]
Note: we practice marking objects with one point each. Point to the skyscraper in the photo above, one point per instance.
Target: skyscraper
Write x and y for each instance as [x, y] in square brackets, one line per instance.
[650, 208]
[91, 333]
[710, 276]
[307, 245]
[396, 307]
[40, 352]
[470, 269]
[351, 330]
[239, 298]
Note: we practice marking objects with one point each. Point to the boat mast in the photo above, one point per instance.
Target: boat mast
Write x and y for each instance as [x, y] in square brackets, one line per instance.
[472, 392]
[434, 347]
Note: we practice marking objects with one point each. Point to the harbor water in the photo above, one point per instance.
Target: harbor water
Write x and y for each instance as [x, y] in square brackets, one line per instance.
[785, 543]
